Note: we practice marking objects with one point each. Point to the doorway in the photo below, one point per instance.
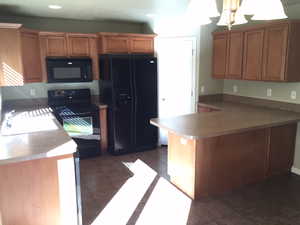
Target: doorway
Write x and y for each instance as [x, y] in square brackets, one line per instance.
[176, 78]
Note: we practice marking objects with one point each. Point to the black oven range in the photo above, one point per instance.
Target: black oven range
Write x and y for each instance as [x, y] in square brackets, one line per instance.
[73, 108]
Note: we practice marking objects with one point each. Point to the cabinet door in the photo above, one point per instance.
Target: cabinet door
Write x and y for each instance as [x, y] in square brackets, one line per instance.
[141, 45]
[253, 54]
[275, 51]
[56, 45]
[282, 148]
[235, 55]
[31, 57]
[11, 67]
[219, 55]
[78, 45]
[94, 57]
[115, 44]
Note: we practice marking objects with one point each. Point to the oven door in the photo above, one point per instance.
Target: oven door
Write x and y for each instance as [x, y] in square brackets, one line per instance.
[84, 130]
[69, 70]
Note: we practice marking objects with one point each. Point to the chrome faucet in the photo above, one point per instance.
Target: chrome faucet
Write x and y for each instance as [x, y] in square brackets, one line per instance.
[8, 118]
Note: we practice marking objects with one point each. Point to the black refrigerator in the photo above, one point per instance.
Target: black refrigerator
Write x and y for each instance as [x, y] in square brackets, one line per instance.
[128, 85]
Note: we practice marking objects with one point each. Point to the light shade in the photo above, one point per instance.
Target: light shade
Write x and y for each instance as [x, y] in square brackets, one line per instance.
[205, 8]
[199, 11]
[239, 18]
[225, 18]
[270, 10]
[212, 8]
[249, 7]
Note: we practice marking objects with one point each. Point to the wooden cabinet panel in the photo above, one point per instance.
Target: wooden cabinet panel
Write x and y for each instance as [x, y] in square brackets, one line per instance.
[78, 46]
[94, 56]
[115, 44]
[56, 45]
[234, 55]
[231, 161]
[11, 67]
[282, 148]
[141, 45]
[275, 52]
[31, 57]
[219, 55]
[253, 54]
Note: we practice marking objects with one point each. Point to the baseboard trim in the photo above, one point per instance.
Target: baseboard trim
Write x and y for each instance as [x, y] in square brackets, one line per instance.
[295, 170]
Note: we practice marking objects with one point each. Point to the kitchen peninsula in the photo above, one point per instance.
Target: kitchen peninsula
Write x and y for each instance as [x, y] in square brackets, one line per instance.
[38, 171]
[228, 146]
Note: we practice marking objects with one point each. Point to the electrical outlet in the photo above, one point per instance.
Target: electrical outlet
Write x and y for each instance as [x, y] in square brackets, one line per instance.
[294, 95]
[269, 92]
[235, 89]
[32, 92]
[202, 89]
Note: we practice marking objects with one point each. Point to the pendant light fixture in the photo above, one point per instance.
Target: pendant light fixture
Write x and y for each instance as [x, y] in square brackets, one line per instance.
[200, 11]
[233, 13]
[265, 13]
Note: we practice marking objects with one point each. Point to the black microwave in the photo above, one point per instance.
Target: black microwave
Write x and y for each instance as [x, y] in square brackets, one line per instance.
[61, 70]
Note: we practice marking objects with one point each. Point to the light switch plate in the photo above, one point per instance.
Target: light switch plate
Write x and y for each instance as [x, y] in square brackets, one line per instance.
[294, 95]
[269, 92]
[32, 92]
[202, 89]
[235, 88]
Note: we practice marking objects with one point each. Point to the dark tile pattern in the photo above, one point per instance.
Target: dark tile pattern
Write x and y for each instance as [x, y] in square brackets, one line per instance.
[274, 202]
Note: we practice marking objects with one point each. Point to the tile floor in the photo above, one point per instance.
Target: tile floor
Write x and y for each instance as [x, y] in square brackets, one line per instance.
[273, 202]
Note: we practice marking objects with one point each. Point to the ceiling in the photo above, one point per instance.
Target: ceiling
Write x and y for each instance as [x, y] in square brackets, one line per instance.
[127, 10]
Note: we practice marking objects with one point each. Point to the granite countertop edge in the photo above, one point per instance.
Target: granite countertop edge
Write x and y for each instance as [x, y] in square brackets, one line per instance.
[47, 153]
[217, 134]
[220, 111]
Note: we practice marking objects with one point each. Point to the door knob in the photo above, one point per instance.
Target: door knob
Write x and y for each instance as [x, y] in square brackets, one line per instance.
[163, 99]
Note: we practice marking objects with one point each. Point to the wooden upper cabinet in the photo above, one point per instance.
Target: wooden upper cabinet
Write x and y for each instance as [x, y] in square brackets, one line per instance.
[115, 44]
[19, 56]
[234, 55]
[79, 44]
[93, 44]
[141, 45]
[11, 73]
[269, 52]
[31, 56]
[55, 44]
[253, 54]
[275, 53]
[126, 43]
[219, 55]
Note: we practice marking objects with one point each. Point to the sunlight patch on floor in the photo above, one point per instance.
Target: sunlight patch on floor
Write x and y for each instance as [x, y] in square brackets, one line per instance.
[166, 205]
[119, 210]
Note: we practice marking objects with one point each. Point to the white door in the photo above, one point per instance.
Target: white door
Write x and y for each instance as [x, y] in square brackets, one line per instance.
[176, 77]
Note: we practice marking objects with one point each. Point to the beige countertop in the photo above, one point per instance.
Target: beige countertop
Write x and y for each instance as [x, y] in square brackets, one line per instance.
[232, 118]
[41, 136]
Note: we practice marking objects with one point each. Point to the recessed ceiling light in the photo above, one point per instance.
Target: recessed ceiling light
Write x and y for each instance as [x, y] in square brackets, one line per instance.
[151, 15]
[54, 6]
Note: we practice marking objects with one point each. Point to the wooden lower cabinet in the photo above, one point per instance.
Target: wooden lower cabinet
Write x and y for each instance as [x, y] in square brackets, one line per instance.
[209, 166]
[282, 149]
[39, 192]
[103, 129]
